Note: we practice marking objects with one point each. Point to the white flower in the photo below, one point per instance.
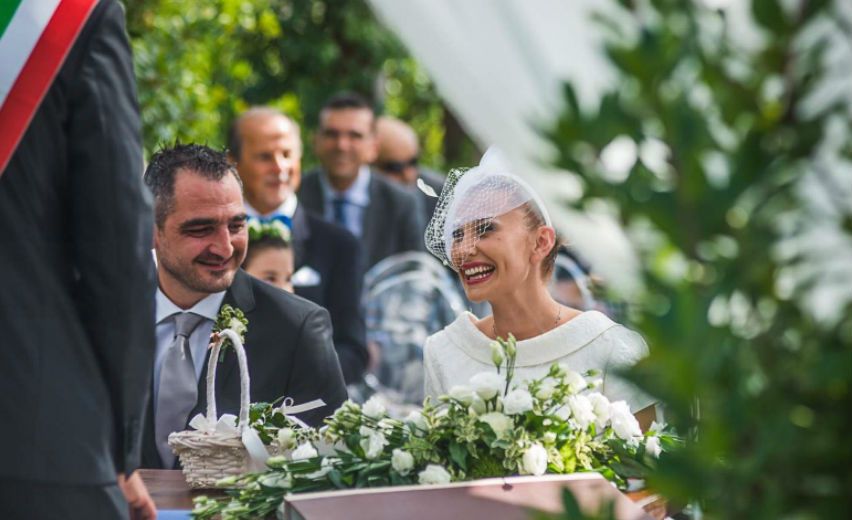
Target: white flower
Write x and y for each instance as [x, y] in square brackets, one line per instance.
[624, 425]
[534, 461]
[237, 326]
[462, 393]
[496, 353]
[416, 422]
[498, 422]
[517, 402]
[601, 407]
[657, 427]
[286, 438]
[304, 451]
[402, 461]
[652, 446]
[276, 480]
[373, 444]
[563, 412]
[545, 391]
[487, 384]
[374, 408]
[549, 437]
[575, 381]
[477, 406]
[433, 474]
[582, 410]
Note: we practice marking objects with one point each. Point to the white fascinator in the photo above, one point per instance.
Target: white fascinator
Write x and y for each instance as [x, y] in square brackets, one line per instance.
[471, 198]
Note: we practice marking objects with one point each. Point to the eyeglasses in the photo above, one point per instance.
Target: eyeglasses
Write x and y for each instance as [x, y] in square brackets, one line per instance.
[397, 167]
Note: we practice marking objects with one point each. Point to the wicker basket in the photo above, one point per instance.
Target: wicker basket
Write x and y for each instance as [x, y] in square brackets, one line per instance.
[208, 456]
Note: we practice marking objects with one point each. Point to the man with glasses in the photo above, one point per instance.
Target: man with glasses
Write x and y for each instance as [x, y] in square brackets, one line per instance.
[398, 159]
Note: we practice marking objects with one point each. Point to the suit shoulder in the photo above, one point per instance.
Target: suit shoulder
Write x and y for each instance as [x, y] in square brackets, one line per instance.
[392, 191]
[329, 230]
[268, 296]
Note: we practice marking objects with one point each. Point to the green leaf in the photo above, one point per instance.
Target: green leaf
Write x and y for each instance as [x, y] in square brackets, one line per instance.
[458, 453]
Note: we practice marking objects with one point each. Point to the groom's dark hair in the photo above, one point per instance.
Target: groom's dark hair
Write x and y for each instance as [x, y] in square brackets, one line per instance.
[167, 162]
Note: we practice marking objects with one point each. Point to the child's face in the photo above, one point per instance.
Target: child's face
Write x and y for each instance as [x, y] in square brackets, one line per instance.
[274, 266]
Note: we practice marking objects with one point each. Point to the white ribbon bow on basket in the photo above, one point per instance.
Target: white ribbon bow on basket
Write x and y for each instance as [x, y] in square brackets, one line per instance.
[289, 410]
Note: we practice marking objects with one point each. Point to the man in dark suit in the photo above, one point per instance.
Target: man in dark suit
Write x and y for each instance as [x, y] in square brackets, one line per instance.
[398, 159]
[200, 241]
[344, 190]
[267, 150]
[77, 297]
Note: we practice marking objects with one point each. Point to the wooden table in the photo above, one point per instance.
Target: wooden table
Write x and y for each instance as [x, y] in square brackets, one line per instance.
[169, 491]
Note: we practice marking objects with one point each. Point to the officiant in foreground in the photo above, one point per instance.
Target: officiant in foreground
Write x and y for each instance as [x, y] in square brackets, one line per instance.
[200, 240]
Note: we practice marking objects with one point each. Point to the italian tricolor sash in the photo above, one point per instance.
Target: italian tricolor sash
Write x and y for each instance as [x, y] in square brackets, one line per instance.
[35, 37]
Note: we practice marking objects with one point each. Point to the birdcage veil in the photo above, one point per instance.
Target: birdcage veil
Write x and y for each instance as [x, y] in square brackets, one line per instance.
[471, 198]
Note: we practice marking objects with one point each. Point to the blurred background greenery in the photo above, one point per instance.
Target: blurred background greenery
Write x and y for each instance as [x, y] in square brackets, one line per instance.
[704, 151]
[200, 63]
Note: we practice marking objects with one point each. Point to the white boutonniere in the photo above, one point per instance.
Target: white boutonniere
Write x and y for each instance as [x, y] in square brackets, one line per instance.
[229, 318]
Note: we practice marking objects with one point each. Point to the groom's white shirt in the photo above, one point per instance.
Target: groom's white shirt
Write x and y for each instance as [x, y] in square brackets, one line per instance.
[198, 340]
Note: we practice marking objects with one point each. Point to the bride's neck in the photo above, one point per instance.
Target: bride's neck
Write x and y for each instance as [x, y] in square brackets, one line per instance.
[525, 314]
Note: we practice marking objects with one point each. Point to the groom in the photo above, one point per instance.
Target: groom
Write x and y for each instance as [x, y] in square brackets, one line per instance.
[200, 240]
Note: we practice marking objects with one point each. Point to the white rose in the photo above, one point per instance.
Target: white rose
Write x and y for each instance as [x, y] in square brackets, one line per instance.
[575, 381]
[652, 446]
[373, 444]
[601, 407]
[374, 408]
[462, 393]
[496, 353]
[534, 461]
[545, 391]
[582, 410]
[402, 461]
[286, 438]
[517, 402]
[433, 474]
[498, 422]
[416, 422]
[304, 451]
[487, 384]
[624, 425]
[549, 437]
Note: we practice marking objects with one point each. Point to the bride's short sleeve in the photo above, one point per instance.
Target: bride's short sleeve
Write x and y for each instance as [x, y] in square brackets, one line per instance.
[627, 348]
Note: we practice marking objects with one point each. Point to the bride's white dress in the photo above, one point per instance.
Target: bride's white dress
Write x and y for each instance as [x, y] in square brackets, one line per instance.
[589, 341]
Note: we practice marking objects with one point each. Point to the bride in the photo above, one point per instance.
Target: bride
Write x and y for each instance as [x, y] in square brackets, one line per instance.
[493, 230]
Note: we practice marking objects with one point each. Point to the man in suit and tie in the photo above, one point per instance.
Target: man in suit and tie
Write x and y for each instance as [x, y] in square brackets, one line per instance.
[77, 297]
[266, 147]
[398, 159]
[344, 190]
[200, 240]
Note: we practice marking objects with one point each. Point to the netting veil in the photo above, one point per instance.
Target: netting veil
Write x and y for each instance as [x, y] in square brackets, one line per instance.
[469, 202]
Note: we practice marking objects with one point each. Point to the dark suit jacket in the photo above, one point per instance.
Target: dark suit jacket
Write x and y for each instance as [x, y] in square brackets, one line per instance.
[76, 280]
[334, 253]
[392, 222]
[289, 352]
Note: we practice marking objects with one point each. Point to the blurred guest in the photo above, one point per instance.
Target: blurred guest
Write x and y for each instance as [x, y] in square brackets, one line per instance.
[399, 160]
[269, 256]
[344, 189]
[266, 147]
[200, 241]
[77, 298]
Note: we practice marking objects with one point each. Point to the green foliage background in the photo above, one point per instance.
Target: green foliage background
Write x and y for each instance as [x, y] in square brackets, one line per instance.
[762, 387]
[200, 63]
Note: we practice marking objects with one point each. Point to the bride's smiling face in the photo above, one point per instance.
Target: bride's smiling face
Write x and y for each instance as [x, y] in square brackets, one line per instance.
[496, 256]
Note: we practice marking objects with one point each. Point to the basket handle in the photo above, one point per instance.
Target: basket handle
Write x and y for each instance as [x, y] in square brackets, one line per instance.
[212, 362]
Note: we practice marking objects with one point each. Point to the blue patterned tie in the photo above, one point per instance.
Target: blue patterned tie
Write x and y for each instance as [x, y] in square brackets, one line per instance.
[340, 203]
[284, 219]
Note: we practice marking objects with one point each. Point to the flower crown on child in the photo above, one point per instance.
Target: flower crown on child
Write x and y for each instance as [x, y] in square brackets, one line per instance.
[258, 230]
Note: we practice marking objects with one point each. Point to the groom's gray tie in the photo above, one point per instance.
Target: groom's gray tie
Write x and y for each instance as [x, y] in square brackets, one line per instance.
[178, 388]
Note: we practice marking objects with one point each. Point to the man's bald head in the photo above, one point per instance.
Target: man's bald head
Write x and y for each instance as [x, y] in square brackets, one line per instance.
[267, 149]
[398, 150]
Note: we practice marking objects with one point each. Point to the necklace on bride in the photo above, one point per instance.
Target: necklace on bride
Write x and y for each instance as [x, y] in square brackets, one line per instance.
[555, 323]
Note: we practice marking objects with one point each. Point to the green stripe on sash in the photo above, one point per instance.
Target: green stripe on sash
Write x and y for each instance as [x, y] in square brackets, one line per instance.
[7, 11]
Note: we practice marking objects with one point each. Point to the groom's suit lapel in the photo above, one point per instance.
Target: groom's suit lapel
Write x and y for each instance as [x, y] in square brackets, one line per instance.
[240, 296]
